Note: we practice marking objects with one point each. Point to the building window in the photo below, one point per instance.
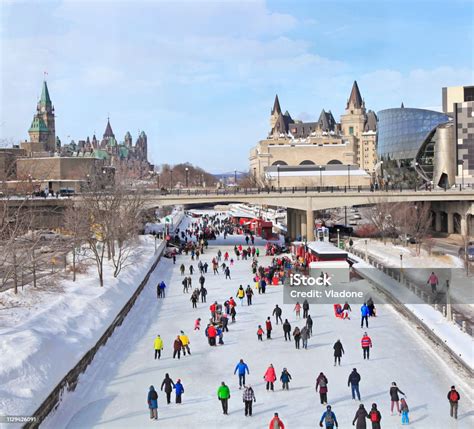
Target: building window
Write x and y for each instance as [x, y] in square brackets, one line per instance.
[351, 130]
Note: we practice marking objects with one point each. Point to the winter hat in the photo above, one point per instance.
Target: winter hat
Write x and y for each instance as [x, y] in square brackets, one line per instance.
[179, 380]
[374, 405]
[328, 407]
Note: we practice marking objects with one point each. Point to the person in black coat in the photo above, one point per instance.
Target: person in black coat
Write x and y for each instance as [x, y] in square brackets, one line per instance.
[360, 417]
[168, 384]
[287, 330]
[309, 325]
[394, 398]
[277, 313]
[338, 352]
[305, 308]
[353, 381]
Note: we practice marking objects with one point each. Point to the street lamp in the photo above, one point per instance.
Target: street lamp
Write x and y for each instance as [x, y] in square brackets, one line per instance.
[278, 174]
[158, 180]
[401, 267]
[320, 176]
[171, 178]
[381, 169]
[235, 177]
[338, 237]
[187, 174]
[366, 255]
[349, 176]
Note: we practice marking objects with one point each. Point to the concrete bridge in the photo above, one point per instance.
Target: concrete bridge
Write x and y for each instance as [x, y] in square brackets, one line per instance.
[453, 210]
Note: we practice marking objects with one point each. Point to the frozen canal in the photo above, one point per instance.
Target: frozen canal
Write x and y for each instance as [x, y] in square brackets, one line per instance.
[112, 393]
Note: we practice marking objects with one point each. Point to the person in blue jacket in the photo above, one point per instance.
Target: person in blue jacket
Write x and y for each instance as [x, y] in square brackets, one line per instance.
[162, 289]
[364, 314]
[179, 389]
[241, 367]
[329, 419]
[153, 403]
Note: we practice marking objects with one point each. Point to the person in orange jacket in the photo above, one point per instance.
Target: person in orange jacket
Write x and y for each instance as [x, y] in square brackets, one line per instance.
[276, 423]
[270, 377]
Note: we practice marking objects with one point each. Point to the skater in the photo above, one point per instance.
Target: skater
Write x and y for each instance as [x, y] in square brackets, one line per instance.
[177, 346]
[346, 309]
[322, 383]
[203, 293]
[179, 390]
[268, 327]
[197, 324]
[223, 394]
[366, 344]
[158, 346]
[270, 377]
[225, 323]
[297, 337]
[202, 280]
[305, 308]
[153, 403]
[260, 333]
[233, 313]
[375, 417]
[242, 368]
[185, 285]
[276, 423]
[181, 269]
[191, 269]
[285, 379]
[158, 290]
[241, 294]
[305, 337]
[371, 306]
[185, 342]
[453, 398]
[168, 384]
[227, 273]
[297, 309]
[353, 381]
[394, 399]
[248, 398]
[211, 335]
[360, 416]
[277, 313]
[194, 299]
[309, 325]
[433, 281]
[364, 314]
[338, 352]
[287, 330]
[249, 294]
[162, 289]
[404, 409]
[174, 258]
[329, 419]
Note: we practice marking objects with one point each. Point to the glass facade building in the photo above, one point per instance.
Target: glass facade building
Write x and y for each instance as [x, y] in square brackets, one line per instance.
[404, 144]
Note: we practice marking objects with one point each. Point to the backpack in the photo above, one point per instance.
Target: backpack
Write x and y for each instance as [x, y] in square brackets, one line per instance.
[453, 396]
[329, 417]
[374, 416]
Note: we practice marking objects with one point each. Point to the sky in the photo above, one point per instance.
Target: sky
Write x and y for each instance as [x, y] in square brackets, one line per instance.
[200, 77]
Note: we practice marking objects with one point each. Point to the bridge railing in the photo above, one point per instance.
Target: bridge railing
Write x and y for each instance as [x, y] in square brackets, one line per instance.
[305, 189]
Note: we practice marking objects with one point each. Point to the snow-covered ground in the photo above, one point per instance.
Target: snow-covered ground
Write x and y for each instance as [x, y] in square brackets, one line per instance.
[45, 331]
[112, 392]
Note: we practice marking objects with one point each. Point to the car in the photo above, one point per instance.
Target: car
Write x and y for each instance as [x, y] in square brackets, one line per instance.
[66, 192]
[470, 252]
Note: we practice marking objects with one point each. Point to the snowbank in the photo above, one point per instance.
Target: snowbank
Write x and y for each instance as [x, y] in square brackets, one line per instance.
[448, 333]
[176, 216]
[45, 331]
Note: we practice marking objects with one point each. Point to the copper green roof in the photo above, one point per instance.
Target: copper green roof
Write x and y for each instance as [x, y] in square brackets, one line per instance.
[101, 154]
[38, 125]
[111, 141]
[45, 100]
[123, 152]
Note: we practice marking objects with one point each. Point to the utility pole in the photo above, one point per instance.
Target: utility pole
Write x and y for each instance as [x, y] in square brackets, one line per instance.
[449, 314]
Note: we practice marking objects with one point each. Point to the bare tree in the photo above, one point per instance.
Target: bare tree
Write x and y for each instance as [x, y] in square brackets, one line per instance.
[382, 215]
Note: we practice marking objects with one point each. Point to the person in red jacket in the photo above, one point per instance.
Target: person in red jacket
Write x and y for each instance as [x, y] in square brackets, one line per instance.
[366, 344]
[268, 326]
[211, 334]
[270, 377]
[276, 423]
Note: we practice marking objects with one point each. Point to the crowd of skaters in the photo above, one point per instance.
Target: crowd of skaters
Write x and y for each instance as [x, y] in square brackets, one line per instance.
[218, 324]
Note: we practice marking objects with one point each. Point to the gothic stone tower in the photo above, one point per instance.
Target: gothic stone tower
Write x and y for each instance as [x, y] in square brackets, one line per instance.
[43, 128]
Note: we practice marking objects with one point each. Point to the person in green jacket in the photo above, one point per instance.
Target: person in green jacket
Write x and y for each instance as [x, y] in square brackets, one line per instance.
[223, 394]
[158, 345]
